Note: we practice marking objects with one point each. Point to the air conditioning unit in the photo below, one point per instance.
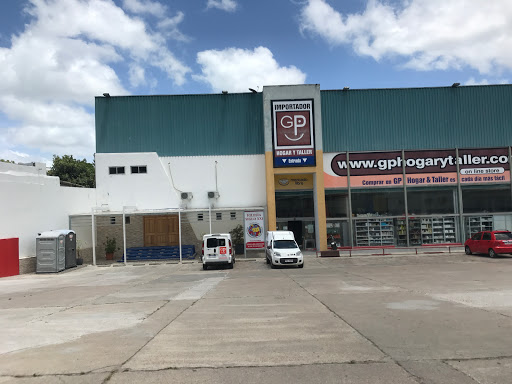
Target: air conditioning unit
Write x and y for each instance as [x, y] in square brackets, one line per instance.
[186, 196]
[213, 195]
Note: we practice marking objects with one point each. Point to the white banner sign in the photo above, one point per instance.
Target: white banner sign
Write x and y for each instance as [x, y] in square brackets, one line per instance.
[254, 229]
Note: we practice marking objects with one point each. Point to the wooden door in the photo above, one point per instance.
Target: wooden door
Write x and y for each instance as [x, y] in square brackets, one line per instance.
[161, 230]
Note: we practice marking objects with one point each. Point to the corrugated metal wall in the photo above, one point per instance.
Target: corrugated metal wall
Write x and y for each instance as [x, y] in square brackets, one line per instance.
[417, 118]
[181, 125]
[355, 120]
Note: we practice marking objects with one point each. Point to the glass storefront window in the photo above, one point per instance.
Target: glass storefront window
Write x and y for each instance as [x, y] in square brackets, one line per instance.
[337, 231]
[336, 204]
[382, 202]
[431, 201]
[481, 199]
[295, 204]
[303, 231]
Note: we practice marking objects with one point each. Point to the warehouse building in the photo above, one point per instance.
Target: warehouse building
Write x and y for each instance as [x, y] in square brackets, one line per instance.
[372, 167]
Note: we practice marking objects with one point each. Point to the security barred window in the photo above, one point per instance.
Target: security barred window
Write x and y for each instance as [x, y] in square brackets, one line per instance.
[233, 215]
[199, 217]
[139, 169]
[116, 170]
[112, 220]
[219, 215]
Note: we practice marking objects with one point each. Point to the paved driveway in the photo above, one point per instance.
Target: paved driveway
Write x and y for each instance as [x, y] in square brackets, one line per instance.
[383, 319]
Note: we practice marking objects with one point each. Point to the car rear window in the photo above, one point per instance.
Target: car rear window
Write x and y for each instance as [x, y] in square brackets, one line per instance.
[284, 244]
[213, 242]
[503, 236]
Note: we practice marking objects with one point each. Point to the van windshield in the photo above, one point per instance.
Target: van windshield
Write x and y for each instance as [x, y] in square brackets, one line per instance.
[213, 242]
[285, 244]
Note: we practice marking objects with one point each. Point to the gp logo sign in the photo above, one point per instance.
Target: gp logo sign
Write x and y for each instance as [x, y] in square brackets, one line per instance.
[293, 128]
[293, 133]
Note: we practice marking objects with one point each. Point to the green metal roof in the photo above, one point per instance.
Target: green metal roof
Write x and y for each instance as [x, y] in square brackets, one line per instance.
[354, 120]
[417, 118]
[181, 125]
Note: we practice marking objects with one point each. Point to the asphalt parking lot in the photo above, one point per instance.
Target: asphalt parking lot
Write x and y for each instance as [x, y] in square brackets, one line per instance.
[440, 318]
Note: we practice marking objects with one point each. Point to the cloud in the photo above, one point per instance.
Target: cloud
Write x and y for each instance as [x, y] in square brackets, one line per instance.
[167, 25]
[137, 75]
[473, 81]
[51, 127]
[224, 5]
[64, 57]
[145, 6]
[426, 34]
[236, 69]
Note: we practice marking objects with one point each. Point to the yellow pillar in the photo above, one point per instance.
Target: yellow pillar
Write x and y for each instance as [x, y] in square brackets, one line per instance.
[271, 192]
[318, 171]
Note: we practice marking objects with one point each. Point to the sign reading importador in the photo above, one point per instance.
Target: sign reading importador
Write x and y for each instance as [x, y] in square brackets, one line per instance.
[293, 133]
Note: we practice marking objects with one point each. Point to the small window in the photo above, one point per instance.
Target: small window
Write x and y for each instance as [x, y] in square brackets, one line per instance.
[112, 220]
[127, 219]
[199, 217]
[116, 170]
[486, 236]
[233, 215]
[139, 169]
[213, 242]
[219, 215]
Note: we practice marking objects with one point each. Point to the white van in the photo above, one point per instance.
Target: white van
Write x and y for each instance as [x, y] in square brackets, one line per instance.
[217, 249]
[283, 250]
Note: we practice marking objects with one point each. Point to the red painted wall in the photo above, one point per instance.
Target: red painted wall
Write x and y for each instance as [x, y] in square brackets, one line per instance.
[9, 257]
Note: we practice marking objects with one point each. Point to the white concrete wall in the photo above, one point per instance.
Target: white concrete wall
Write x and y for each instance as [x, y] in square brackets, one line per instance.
[240, 181]
[31, 202]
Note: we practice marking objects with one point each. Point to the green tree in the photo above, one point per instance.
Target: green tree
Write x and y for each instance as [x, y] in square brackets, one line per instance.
[78, 173]
[6, 161]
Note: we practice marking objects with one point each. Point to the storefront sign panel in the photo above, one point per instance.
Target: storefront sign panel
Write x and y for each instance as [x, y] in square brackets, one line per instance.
[293, 133]
[422, 168]
[484, 166]
[293, 182]
[254, 229]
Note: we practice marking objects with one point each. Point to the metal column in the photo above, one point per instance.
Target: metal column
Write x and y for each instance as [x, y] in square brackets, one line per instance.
[350, 231]
[405, 200]
[459, 192]
[93, 237]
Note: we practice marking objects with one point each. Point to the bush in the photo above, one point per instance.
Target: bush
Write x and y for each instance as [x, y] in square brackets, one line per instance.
[237, 234]
[110, 245]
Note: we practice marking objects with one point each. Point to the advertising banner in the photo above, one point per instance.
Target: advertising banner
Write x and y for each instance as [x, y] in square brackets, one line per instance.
[484, 166]
[422, 168]
[254, 230]
[293, 133]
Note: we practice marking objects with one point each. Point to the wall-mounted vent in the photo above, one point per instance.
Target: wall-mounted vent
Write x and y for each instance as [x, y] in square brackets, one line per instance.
[186, 196]
[213, 195]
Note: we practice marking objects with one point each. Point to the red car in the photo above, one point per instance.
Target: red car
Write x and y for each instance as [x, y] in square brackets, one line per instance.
[491, 243]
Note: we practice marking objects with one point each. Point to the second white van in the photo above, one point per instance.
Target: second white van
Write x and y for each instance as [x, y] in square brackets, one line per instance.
[282, 249]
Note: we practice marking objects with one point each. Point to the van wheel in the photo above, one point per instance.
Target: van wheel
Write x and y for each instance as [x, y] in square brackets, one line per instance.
[230, 265]
[267, 260]
[273, 266]
[301, 265]
[205, 267]
[492, 253]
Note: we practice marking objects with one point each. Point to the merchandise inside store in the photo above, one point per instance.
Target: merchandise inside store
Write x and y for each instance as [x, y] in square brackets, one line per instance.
[433, 216]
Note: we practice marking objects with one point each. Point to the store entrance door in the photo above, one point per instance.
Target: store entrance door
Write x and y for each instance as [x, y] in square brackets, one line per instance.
[296, 228]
